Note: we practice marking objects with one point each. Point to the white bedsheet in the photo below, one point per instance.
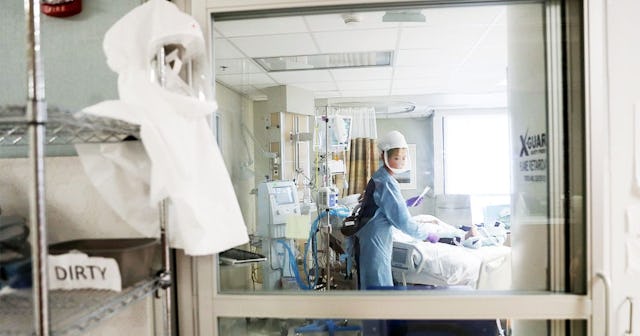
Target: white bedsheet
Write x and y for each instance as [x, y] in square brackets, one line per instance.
[442, 264]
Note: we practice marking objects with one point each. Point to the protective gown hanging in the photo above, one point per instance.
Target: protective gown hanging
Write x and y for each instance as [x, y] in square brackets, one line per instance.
[186, 164]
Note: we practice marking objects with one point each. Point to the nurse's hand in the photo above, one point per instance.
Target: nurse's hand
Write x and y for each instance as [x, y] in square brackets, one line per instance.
[432, 237]
[414, 201]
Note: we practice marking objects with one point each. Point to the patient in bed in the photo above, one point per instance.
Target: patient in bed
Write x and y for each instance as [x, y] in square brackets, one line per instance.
[449, 233]
[458, 262]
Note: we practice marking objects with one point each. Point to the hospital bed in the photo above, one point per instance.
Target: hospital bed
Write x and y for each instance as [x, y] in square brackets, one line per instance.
[416, 262]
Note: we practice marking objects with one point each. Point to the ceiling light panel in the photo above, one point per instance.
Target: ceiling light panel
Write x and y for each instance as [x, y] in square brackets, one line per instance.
[276, 45]
[246, 79]
[267, 26]
[326, 61]
[411, 15]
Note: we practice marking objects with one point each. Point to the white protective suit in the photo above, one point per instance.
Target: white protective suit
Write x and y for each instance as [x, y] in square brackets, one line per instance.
[186, 164]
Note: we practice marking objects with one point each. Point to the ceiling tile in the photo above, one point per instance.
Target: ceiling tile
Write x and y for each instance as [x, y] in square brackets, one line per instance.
[266, 26]
[364, 93]
[460, 36]
[472, 15]
[430, 57]
[491, 54]
[327, 94]
[332, 22]
[496, 36]
[413, 91]
[303, 76]
[357, 40]
[245, 79]
[364, 85]
[236, 66]
[426, 84]
[223, 49]
[317, 86]
[409, 72]
[246, 89]
[457, 50]
[477, 82]
[366, 73]
[276, 45]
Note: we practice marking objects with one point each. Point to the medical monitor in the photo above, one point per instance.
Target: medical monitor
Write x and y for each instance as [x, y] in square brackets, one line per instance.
[277, 201]
[283, 195]
[399, 257]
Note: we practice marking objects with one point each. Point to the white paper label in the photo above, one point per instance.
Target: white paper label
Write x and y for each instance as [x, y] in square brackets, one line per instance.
[77, 270]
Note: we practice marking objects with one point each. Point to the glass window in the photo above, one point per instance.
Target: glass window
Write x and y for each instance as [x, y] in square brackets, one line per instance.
[468, 86]
[476, 160]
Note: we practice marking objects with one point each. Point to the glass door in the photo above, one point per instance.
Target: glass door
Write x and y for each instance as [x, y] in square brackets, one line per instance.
[283, 74]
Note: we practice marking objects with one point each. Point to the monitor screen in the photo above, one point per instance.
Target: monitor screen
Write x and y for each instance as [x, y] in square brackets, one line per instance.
[399, 257]
[283, 195]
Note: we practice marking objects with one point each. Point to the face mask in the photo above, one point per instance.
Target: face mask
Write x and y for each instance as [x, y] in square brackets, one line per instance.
[407, 164]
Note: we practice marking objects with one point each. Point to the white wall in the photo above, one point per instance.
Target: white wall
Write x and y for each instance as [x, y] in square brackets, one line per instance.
[624, 97]
[76, 73]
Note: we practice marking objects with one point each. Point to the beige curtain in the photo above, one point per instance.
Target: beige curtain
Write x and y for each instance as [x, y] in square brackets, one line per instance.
[362, 162]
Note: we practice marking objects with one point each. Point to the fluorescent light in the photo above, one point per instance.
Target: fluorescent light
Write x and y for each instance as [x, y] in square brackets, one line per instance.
[404, 16]
[326, 61]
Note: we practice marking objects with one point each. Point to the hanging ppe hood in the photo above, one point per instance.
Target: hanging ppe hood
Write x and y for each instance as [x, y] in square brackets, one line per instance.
[134, 39]
[186, 164]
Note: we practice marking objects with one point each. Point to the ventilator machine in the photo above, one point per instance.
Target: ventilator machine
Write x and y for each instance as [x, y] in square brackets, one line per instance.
[277, 200]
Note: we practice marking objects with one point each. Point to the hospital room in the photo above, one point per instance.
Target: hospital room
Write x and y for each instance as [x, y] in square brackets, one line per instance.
[322, 92]
[391, 150]
[325, 94]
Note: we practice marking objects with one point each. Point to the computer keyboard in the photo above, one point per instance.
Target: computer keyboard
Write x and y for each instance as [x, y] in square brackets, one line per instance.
[237, 256]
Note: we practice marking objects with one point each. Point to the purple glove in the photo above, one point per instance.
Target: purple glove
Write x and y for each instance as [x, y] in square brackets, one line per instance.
[414, 201]
[432, 237]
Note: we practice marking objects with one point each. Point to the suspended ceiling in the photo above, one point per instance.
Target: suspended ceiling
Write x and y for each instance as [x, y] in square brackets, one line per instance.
[457, 57]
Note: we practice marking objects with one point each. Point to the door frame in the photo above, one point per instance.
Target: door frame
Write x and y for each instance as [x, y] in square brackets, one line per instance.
[209, 304]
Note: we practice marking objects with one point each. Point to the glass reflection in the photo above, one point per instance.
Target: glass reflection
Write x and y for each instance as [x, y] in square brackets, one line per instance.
[481, 153]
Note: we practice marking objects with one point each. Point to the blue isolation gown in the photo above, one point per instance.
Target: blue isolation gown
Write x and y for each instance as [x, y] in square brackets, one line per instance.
[375, 238]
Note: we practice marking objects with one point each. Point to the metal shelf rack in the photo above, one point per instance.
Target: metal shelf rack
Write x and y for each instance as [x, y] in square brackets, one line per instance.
[72, 312]
[42, 312]
[63, 128]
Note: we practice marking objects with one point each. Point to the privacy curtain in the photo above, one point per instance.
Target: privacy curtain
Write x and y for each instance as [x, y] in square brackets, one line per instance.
[362, 156]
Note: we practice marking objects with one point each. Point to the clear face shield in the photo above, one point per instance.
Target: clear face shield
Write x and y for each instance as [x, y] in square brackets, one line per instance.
[187, 74]
[403, 169]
